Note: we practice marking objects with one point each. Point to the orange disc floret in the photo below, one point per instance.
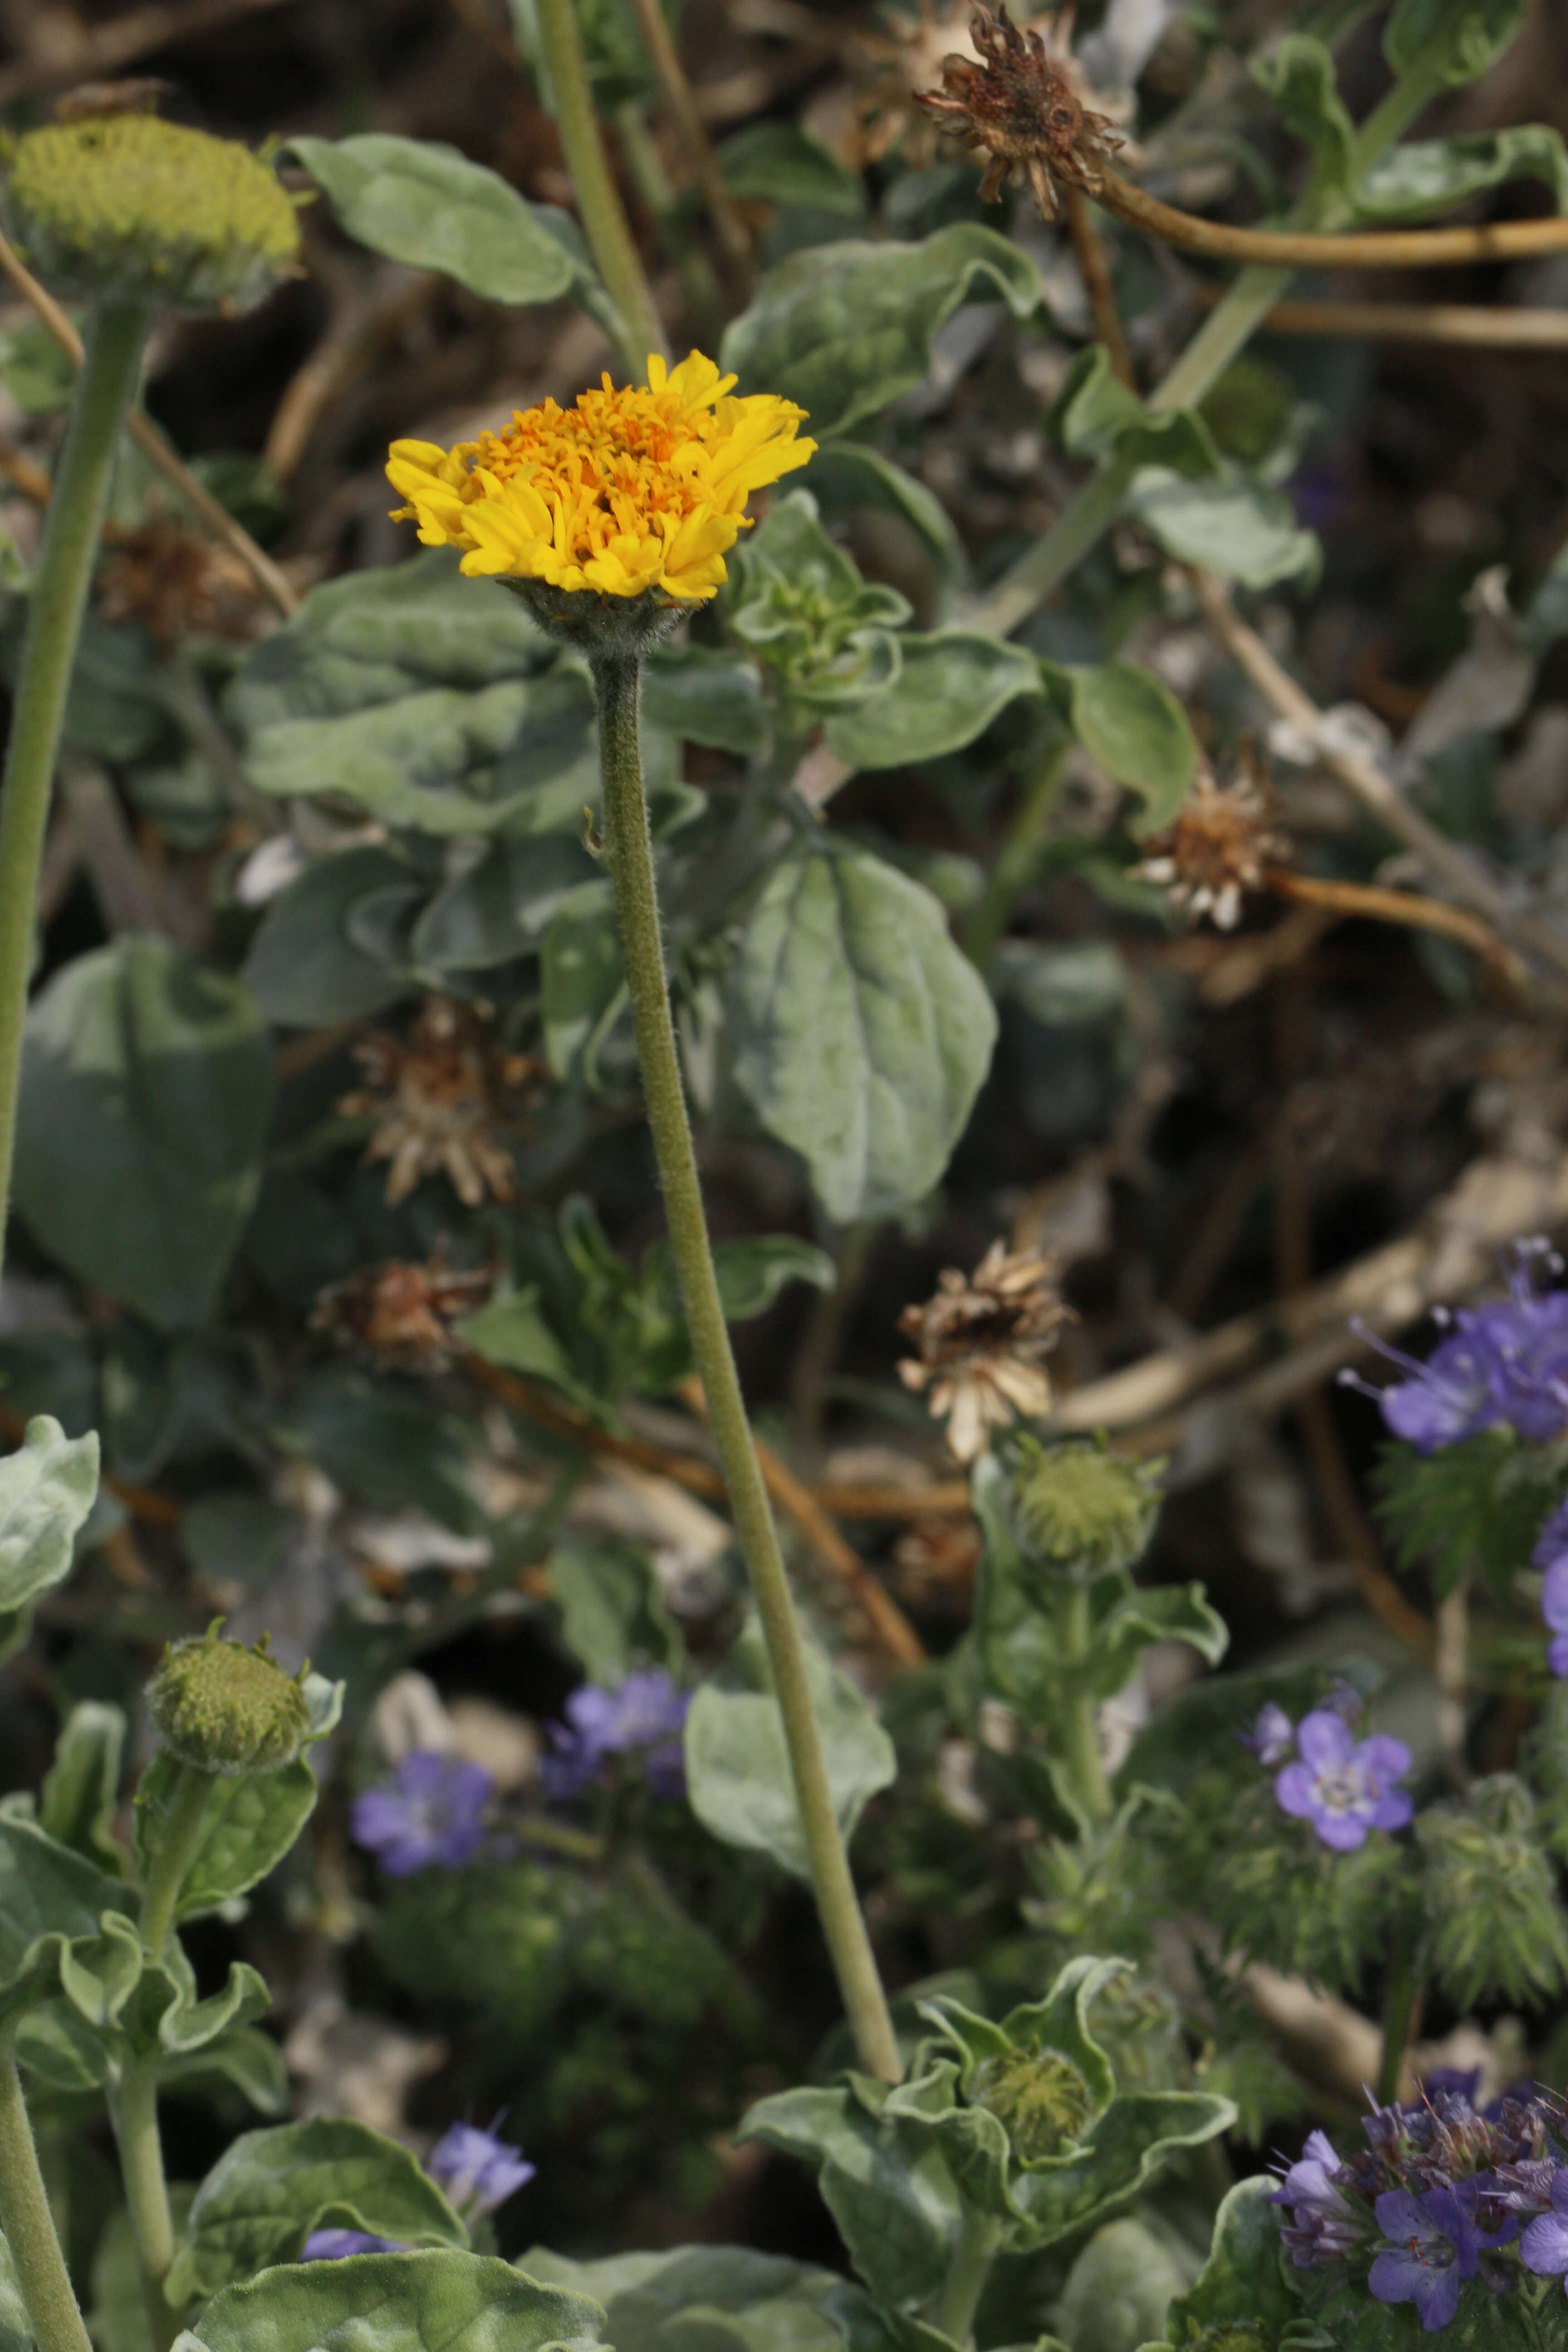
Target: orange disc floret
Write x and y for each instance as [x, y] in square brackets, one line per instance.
[641, 488]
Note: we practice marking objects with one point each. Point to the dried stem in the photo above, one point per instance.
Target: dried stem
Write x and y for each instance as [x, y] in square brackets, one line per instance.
[1089, 252]
[676, 91]
[1405, 249]
[1491, 327]
[155, 448]
[1354, 899]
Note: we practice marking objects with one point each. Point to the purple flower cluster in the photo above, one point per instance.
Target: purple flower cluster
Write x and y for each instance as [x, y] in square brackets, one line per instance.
[478, 2172]
[433, 1811]
[1504, 1362]
[1440, 2191]
[1342, 1785]
[1551, 1556]
[644, 1717]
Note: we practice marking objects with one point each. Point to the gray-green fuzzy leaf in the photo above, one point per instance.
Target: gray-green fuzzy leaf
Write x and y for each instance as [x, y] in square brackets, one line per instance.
[737, 1766]
[439, 2301]
[250, 1827]
[46, 1489]
[147, 1087]
[269, 2189]
[860, 1035]
[951, 686]
[844, 329]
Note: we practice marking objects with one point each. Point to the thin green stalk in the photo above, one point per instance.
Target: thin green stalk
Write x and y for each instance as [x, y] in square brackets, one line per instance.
[1224, 333]
[134, 2109]
[1079, 1725]
[966, 2276]
[1398, 2017]
[629, 853]
[27, 2223]
[659, 193]
[1015, 859]
[603, 219]
[116, 337]
[184, 1823]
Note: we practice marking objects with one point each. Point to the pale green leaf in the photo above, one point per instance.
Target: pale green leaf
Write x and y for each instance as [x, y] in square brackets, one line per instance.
[1236, 529]
[439, 2301]
[737, 1766]
[48, 1488]
[950, 688]
[249, 1826]
[1132, 725]
[147, 1087]
[859, 1032]
[1444, 42]
[845, 328]
[81, 1787]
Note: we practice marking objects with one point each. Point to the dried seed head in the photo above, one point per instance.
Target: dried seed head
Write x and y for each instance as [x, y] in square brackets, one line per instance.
[437, 1097]
[1217, 848]
[126, 208]
[226, 1709]
[982, 1338]
[1022, 103]
[399, 1313]
[173, 582]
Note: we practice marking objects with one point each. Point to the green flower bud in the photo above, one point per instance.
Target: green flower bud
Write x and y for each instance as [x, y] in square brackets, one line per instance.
[228, 1709]
[1039, 2098]
[1082, 1505]
[127, 207]
[1497, 1929]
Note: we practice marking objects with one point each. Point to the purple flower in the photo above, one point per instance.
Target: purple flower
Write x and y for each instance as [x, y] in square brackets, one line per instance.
[476, 2171]
[1505, 1361]
[1544, 2245]
[1273, 1736]
[431, 1811]
[332, 2245]
[1551, 1554]
[644, 1717]
[1436, 2247]
[1342, 1789]
[1323, 2224]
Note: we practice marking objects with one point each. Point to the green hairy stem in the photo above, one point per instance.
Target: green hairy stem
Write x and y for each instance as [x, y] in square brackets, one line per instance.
[182, 1834]
[133, 2109]
[630, 852]
[116, 336]
[604, 217]
[966, 2276]
[29, 2225]
[1080, 1727]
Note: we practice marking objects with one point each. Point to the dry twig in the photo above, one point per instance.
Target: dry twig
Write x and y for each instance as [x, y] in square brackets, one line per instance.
[1402, 248]
[94, 51]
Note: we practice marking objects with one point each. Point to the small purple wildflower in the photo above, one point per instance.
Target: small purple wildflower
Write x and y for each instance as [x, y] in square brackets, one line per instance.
[476, 2171]
[333, 2245]
[1342, 1789]
[644, 1717]
[1505, 1361]
[431, 1811]
[1323, 2224]
[1550, 1555]
[1543, 2248]
[1436, 2247]
[1273, 1736]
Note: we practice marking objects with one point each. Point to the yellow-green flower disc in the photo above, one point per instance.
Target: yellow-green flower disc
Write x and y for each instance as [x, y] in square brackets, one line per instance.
[228, 1709]
[127, 207]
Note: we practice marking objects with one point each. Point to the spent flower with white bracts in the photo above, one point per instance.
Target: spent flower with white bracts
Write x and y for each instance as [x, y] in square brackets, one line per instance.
[1504, 1362]
[1021, 101]
[400, 1313]
[983, 1339]
[441, 1098]
[1218, 847]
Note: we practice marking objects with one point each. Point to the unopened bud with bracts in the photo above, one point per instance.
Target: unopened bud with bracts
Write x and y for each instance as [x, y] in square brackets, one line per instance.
[1080, 1504]
[1038, 2097]
[228, 1709]
[124, 208]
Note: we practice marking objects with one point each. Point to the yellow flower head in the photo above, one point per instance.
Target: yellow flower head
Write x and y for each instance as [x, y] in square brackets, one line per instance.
[643, 488]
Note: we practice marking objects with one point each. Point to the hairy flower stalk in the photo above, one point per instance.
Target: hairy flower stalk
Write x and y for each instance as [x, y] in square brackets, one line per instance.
[608, 517]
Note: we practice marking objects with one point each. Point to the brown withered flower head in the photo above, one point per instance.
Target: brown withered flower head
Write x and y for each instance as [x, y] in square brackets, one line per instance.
[1022, 102]
[440, 1097]
[399, 1313]
[1219, 846]
[982, 1341]
[175, 582]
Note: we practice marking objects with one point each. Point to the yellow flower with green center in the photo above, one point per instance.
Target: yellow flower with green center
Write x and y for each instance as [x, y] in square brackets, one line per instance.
[628, 491]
